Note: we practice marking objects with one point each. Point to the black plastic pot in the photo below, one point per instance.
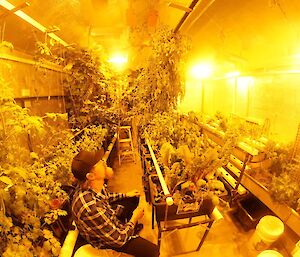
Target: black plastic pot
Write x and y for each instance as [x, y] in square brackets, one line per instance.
[177, 211]
[249, 211]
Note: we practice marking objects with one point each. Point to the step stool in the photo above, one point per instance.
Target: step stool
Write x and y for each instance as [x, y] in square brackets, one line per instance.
[125, 144]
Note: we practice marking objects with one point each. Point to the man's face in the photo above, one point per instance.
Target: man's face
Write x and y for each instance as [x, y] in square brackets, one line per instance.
[100, 171]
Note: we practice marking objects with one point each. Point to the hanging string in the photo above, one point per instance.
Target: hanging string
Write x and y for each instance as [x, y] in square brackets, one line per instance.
[3, 31]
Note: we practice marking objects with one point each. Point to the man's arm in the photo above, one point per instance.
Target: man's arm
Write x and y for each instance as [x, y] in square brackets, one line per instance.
[109, 230]
[92, 215]
[118, 196]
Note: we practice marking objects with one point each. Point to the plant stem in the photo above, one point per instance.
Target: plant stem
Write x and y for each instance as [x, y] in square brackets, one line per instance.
[3, 124]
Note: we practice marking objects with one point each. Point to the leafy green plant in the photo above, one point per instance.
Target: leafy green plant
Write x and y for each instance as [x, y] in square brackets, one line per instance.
[158, 85]
[31, 175]
[6, 44]
[26, 185]
[281, 174]
[285, 187]
[86, 86]
[49, 51]
[15, 125]
[175, 128]
[187, 156]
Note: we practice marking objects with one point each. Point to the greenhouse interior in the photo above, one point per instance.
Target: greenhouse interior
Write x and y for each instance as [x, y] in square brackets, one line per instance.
[150, 128]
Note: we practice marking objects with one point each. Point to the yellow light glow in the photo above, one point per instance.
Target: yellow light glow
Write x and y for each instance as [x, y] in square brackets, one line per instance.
[297, 56]
[243, 84]
[232, 74]
[202, 71]
[118, 60]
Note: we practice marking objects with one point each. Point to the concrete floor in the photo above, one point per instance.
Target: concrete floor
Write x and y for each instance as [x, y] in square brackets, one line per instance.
[225, 239]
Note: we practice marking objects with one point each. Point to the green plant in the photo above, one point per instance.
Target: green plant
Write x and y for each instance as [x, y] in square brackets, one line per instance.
[187, 156]
[15, 125]
[158, 85]
[27, 186]
[86, 85]
[50, 51]
[31, 175]
[175, 128]
[6, 44]
[285, 187]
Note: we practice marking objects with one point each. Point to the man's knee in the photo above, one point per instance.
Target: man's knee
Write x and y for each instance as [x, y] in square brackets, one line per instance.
[156, 251]
[152, 250]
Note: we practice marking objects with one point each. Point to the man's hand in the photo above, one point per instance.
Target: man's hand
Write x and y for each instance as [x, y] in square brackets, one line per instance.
[132, 193]
[138, 213]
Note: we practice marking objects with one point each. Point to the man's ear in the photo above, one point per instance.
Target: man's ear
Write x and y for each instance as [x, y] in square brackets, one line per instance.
[90, 176]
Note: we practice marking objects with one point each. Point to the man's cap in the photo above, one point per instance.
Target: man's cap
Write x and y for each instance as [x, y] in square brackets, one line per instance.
[84, 161]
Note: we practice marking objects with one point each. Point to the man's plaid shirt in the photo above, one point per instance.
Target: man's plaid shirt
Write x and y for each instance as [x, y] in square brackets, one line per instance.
[97, 221]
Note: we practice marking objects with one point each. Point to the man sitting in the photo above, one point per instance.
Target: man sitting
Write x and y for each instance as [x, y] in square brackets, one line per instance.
[104, 219]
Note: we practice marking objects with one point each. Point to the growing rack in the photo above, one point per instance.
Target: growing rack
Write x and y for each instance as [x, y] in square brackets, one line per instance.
[242, 156]
[241, 182]
[167, 210]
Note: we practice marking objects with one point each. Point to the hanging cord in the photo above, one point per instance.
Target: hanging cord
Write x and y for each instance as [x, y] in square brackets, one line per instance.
[3, 31]
[61, 76]
[276, 3]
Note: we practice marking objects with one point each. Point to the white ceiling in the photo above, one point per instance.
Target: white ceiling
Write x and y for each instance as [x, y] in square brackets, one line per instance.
[243, 33]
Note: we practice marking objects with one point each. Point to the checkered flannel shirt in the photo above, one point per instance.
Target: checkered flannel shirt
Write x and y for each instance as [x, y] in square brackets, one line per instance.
[97, 221]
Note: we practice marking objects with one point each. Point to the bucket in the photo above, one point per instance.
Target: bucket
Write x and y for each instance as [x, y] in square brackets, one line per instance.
[296, 251]
[269, 253]
[268, 230]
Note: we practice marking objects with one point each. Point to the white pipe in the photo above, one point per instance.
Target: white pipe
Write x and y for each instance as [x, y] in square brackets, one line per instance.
[110, 147]
[169, 199]
[216, 214]
[296, 250]
[69, 243]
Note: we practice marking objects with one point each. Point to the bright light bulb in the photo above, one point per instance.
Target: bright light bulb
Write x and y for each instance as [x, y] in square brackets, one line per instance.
[118, 60]
[243, 83]
[202, 71]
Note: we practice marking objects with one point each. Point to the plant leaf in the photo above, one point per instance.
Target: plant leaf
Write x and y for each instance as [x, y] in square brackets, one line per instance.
[6, 180]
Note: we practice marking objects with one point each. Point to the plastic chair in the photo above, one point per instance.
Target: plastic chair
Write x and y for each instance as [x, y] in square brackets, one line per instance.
[89, 251]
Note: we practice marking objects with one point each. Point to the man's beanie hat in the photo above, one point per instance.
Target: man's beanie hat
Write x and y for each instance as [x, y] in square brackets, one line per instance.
[83, 162]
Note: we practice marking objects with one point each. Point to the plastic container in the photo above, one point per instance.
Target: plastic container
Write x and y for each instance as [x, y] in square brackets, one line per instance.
[176, 211]
[250, 211]
[269, 253]
[268, 230]
[296, 251]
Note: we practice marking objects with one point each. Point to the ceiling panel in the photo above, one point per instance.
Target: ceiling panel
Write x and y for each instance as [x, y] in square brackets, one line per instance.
[249, 34]
[252, 34]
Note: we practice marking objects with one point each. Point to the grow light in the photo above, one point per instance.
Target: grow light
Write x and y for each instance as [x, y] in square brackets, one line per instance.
[118, 60]
[7, 5]
[202, 71]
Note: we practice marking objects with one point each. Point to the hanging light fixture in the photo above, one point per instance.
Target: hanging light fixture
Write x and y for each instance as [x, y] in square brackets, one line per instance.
[10, 7]
[201, 71]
